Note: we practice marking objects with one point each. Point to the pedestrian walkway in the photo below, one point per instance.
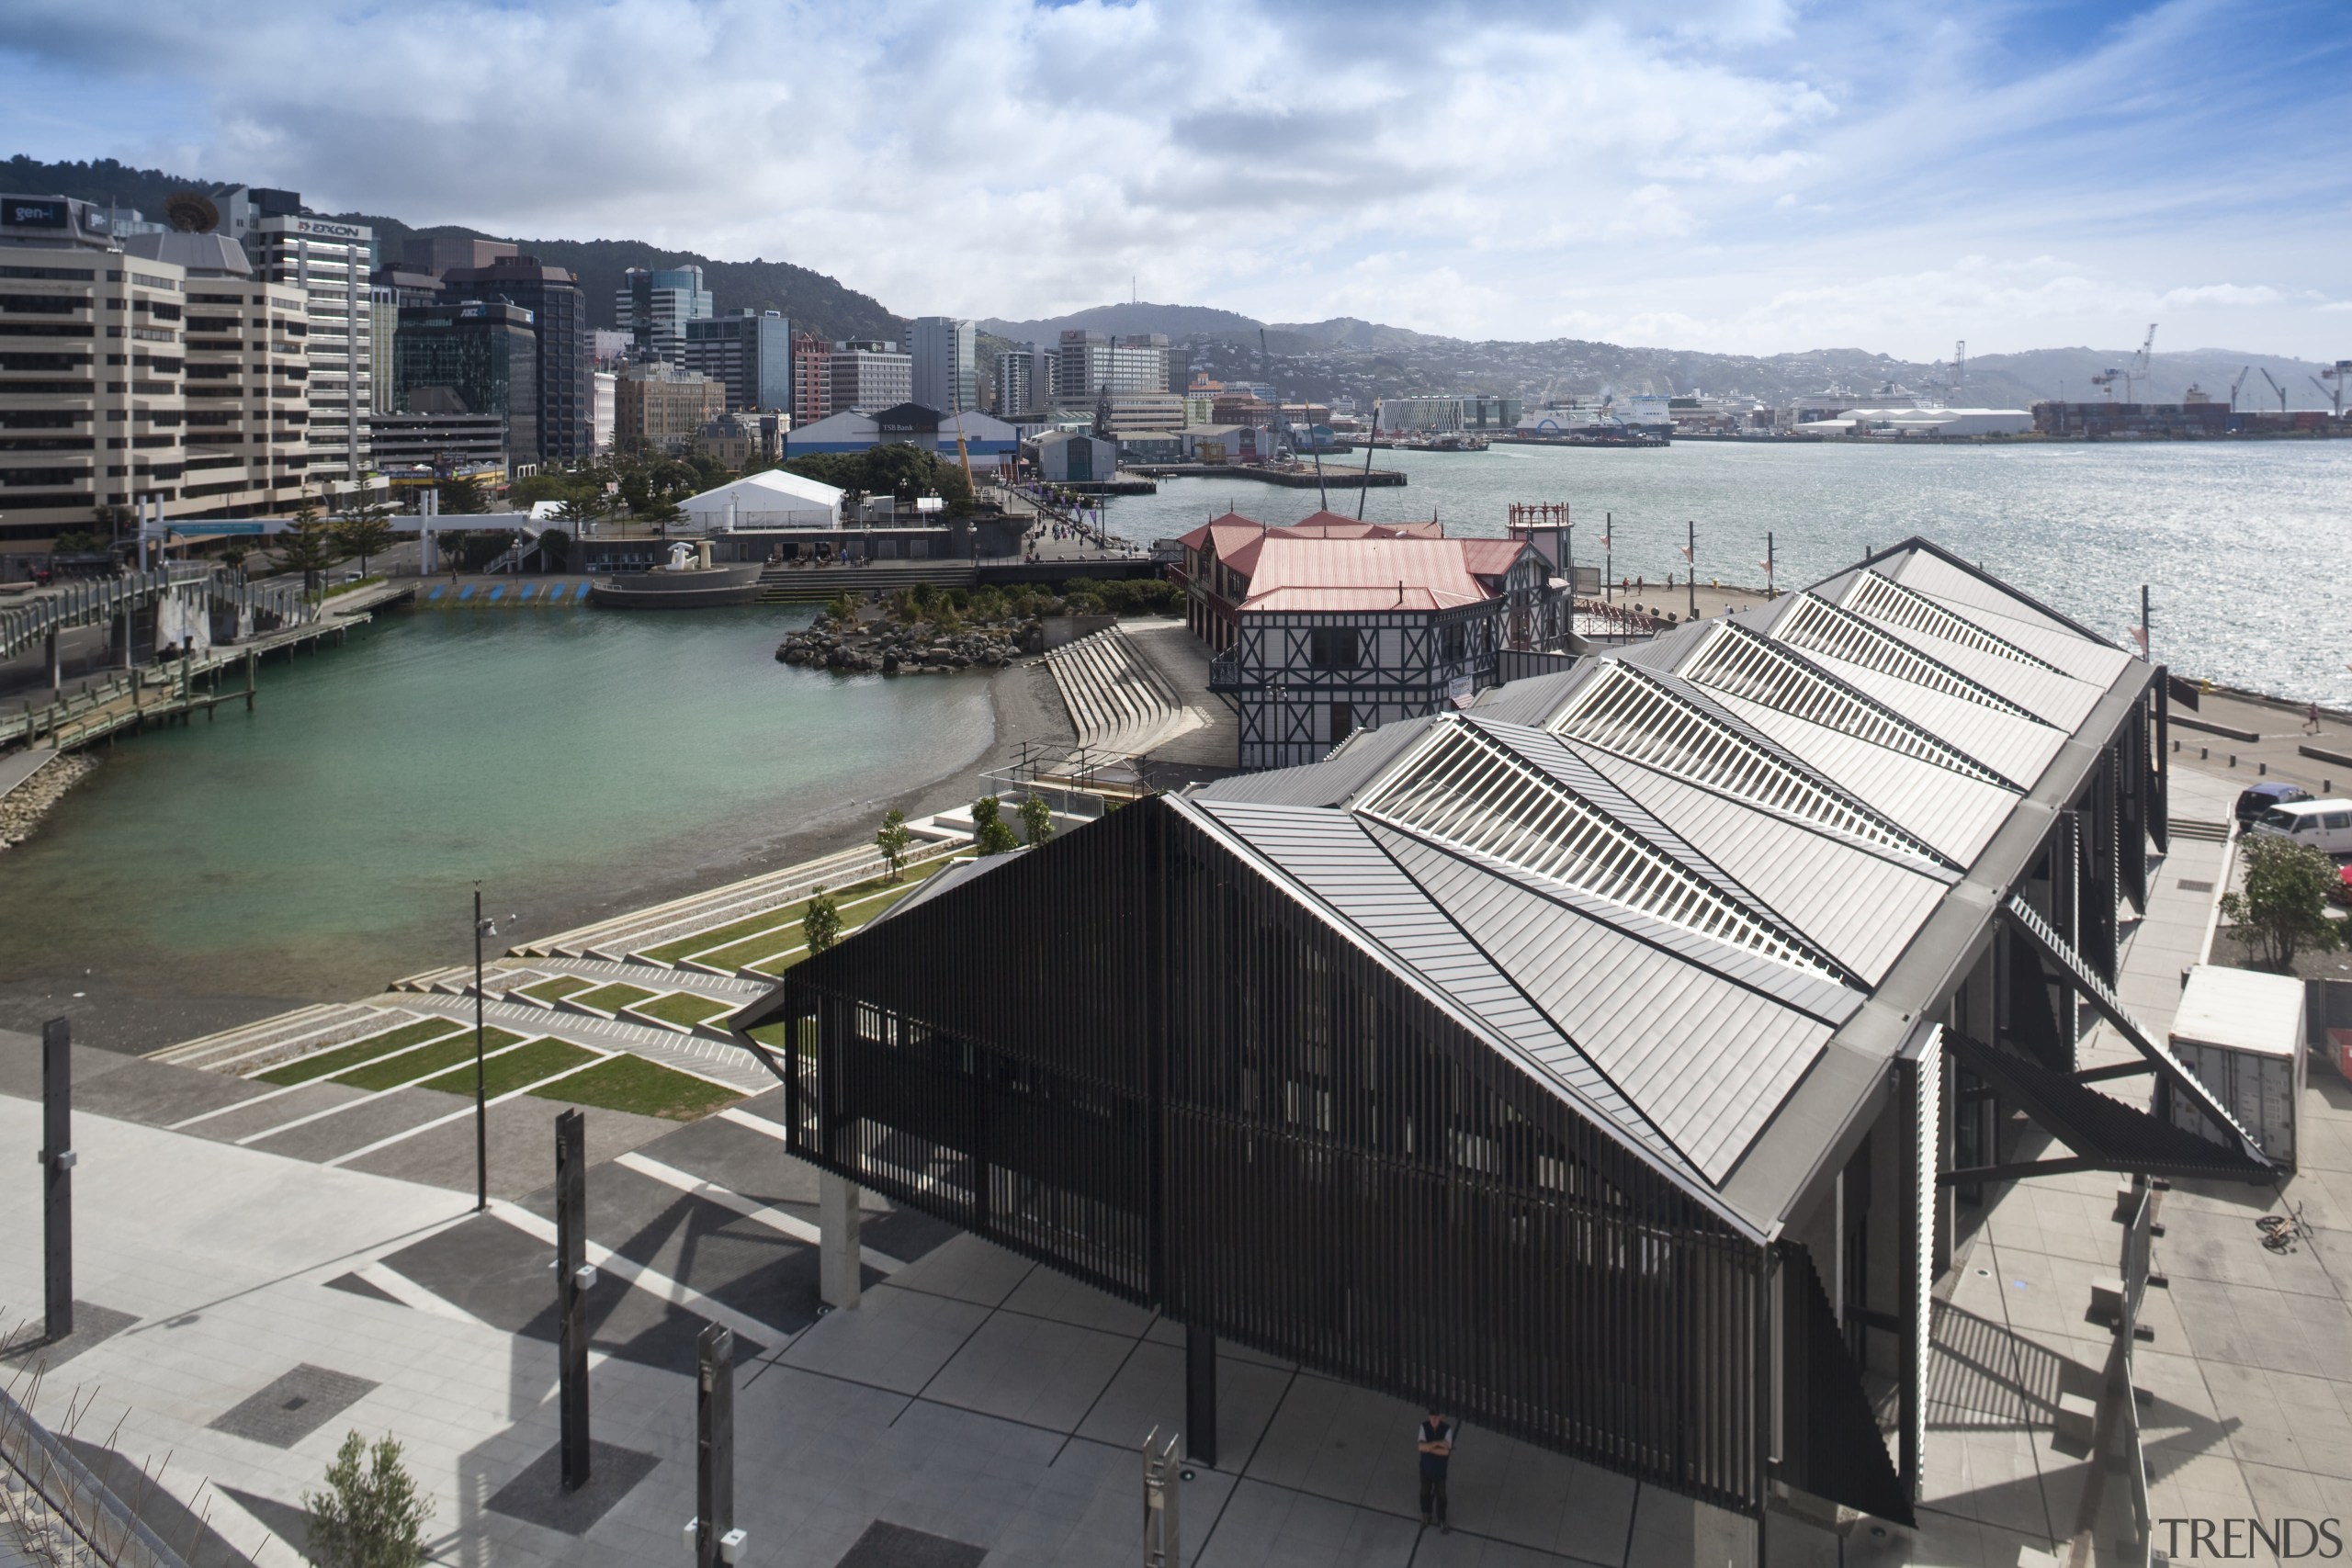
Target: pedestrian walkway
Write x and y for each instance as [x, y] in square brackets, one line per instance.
[975, 1406]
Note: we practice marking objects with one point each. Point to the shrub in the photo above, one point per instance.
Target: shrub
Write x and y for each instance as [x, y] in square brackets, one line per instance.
[369, 1516]
[1036, 819]
[821, 923]
[988, 830]
[2283, 910]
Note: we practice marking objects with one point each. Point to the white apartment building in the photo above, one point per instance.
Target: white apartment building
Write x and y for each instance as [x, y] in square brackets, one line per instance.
[946, 375]
[172, 375]
[1092, 362]
[604, 408]
[1025, 380]
[330, 263]
[866, 375]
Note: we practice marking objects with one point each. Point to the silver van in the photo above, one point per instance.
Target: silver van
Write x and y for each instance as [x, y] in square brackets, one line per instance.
[2324, 825]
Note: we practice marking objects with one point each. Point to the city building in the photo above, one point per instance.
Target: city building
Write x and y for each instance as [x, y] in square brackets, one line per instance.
[946, 371]
[243, 209]
[1025, 380]
[605, 410]
[559, 308]
[331, 262]
[1122, 413]
[427, 447]
[1225, 442]
[765, 500]
[472, 356]
[733, 439]
[653, 306]
[1334, 626]
[1472, 411]
[865, 375]
[987, 440]
[812, 379]
[658, 408]
[390, 289]
[1094, 363]
[1611, 1064]
[441, 254]
[1236, 406]
[243, 442]
[608, 347]
[750, 351]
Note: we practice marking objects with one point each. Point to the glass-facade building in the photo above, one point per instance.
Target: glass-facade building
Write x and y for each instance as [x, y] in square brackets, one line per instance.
[472, 356]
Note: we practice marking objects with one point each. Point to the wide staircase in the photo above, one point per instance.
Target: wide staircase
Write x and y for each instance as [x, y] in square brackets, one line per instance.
[1121, 704]
[815, 584]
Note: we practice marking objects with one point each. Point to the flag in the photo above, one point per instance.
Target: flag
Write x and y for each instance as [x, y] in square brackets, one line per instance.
[1685, 551]
[1767, 566]
[1607, 543]
[2140, 635]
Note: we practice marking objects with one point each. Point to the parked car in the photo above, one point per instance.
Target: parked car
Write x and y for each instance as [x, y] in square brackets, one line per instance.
[2324, 825]
[2252, 803]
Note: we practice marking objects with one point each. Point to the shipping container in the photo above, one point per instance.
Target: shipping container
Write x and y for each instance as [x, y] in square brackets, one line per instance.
[2241, 1034]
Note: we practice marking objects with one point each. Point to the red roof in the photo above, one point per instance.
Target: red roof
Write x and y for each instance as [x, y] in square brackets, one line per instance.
[1310, 574]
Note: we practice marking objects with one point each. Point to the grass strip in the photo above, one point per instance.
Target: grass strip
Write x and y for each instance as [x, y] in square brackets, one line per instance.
[787, 915]
[775, 963]
[559, 987]
[436, 1057]
[343, 1058]
[613, 998]
[502, 1075]
[683, 1007]
[643, 1088]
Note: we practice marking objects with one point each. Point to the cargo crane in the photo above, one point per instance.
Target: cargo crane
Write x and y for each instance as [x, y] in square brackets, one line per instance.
[2243, 371]
[2339, 372]
[2278, 388]
[2136, 376]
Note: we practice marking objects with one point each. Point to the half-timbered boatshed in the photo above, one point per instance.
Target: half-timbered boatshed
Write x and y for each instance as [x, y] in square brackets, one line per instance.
[1601, 1061]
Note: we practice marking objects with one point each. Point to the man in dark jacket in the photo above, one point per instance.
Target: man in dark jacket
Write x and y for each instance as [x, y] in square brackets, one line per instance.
[1436, 1447]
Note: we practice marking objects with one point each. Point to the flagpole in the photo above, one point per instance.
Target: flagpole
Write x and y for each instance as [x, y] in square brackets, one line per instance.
[1771, 591]
[1690, 556]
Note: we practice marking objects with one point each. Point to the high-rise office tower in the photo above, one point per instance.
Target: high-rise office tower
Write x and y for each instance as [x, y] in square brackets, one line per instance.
[329, 261]
[945, 376]
[654, 304]
[472, 356]
[751, 351]
[566, 398]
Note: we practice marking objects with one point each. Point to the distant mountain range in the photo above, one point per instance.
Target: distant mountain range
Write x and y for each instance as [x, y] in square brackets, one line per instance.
[1320, 360]
[1362, 358]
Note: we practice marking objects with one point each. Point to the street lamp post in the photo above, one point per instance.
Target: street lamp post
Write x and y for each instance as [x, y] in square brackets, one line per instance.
[481, 1109]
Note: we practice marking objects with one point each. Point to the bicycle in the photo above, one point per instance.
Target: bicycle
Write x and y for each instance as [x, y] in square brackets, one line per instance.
[2281, 1232]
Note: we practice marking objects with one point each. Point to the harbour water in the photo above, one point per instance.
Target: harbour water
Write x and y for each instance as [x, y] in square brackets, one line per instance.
[577, 761]
[2246, 547]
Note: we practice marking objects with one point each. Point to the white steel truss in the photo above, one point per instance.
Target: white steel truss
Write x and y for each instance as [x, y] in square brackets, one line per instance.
[1622, 710]
[1466, 788]
[1817, 625]
[1739, 661]
[1882, 598]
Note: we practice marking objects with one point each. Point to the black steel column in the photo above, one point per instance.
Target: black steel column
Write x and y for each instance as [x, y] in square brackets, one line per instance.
[1200, 1394]
[57, 1174]
[714, 1443]
[1907, 1086]
[571, 1291]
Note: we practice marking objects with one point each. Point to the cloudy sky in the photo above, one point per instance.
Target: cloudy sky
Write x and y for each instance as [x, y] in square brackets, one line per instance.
[1739, 176]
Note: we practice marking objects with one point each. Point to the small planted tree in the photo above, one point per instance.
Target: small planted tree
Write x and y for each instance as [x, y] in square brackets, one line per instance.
[308, 545]
[989, 832]
[1036, 819]
[365, 531]
[2283, 910]
[892, 838]
[821, 923]
[370, 1514]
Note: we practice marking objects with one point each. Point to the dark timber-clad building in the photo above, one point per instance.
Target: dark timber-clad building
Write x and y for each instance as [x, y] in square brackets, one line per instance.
[1603, 1060]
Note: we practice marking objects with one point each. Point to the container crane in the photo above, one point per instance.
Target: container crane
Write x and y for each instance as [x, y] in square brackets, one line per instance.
[2278, 388]
[2339, 373]
[2243, 371]
[2141, 368]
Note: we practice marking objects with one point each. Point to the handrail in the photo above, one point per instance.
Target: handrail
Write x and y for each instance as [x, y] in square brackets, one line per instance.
[82, 1502]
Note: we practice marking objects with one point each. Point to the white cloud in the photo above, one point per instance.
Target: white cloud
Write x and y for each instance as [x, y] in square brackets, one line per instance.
[1753, 169]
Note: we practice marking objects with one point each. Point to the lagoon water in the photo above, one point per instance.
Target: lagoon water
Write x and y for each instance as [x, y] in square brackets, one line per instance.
[2246, 547]
[576, 761]
[580, 762]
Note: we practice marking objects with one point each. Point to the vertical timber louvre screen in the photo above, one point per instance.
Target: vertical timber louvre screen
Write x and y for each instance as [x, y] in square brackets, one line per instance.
[1178, 1084]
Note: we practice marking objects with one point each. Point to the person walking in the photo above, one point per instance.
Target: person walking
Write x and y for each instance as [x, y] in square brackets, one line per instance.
[2310, 718]
[1436, 1447]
